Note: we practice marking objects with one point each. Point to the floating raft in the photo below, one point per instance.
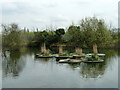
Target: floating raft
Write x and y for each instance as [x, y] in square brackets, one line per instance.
[75, 61]
[69, 61]
[63, 57]
[78, 56]
[55, 55]
[100, 61]
[40, 56]
[99, 54]
[63, 61]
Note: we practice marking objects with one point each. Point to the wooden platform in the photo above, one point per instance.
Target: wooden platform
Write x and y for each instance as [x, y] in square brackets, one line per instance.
[63, 57]
[99, 54]
[75, 61]
[44, 56]
[70, 61]
[101, 61]
[40, 56]
[78, 56]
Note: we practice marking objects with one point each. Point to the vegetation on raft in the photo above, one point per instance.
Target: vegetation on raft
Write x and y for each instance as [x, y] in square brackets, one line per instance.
[45, 54]
[93, 58]
[64, 54]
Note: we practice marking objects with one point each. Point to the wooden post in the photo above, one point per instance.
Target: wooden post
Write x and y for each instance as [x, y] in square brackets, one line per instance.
[43, 48]
[60, 49]
[79, 51]
[95, 51]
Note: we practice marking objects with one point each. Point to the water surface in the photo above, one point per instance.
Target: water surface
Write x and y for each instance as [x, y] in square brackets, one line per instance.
[23, 70]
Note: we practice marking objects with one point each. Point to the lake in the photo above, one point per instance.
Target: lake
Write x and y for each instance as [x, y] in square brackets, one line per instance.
[23, 70]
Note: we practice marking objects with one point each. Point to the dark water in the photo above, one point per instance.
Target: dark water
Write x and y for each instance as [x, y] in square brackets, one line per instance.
[0, 71]
[23, 70]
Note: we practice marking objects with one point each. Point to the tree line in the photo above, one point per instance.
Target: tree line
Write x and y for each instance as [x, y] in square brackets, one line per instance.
[90, 31]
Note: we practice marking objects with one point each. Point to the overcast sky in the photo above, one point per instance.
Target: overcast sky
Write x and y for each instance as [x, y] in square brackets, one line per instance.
[57, 13]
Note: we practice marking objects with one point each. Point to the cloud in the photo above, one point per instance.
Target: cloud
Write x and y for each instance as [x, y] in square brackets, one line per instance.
[61, 13]
[59, 18]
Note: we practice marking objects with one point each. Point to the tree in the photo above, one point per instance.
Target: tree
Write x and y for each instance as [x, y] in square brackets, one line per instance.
[39, 38]
[51, 38]
[76, 37]
[59, 34]
[60, 31]
[96, 33]
[12, 37]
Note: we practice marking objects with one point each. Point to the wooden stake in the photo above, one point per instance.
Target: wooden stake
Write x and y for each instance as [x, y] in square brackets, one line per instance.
[60, 49]
[95, 51]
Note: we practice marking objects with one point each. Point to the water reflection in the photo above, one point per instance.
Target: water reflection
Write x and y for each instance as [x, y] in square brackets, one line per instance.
[13, 64]
[92, 70]
[44, 60]
[96, 70]
[110, 53]
[23, 63]
[0, 69]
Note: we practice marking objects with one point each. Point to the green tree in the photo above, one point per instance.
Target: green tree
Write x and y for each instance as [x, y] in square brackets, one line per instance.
[12, 37]
[39, 38]
[96, 32]
[76, 37]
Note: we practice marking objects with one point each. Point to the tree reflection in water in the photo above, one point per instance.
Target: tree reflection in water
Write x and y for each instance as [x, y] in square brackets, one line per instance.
[96, 70]
[42, 60]
[92, 70]
[13, 64]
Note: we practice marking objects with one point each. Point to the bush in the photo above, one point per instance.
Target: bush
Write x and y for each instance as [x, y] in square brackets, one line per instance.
[64, 54]
[93, 58]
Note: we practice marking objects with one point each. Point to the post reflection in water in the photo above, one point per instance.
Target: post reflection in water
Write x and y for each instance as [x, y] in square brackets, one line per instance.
[20, 69]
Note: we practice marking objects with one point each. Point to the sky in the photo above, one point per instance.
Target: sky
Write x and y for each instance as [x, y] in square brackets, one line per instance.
[44, 14]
